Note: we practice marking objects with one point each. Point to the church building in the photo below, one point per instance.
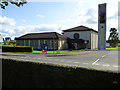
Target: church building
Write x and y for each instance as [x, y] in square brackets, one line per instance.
[53, 40]
[80, 37]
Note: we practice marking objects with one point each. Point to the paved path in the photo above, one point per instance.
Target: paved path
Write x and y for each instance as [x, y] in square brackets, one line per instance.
[106, 60]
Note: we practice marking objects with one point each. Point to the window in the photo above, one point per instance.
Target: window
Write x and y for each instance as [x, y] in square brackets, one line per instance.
[76, 36]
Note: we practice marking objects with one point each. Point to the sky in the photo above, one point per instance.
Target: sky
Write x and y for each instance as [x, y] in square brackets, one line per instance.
[54, 16]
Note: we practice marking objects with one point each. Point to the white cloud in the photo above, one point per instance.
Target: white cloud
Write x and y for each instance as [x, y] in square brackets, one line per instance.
[68, 20]
[21, 30]
[8, 28]
[39, 28]
[40, 15]
[7, 21]
[88, 18]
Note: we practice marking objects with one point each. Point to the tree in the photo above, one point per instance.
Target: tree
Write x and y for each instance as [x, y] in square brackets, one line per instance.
[113, 38]
[4, 3]
[8, 38]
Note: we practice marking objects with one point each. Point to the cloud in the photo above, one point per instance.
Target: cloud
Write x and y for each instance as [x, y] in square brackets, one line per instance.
[7, 21]
[115, 16]
[7, 26]
[89, 17]
[68, 20]
[11, 30]
[91, 21]
[39, 28]
[91, 12]
[21, 30]
[40, 16]
[86, 18]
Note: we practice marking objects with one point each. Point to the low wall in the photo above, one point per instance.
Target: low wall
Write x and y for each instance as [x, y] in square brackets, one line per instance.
[25, 74]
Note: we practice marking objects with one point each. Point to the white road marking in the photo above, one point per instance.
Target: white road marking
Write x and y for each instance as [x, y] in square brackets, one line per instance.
[95, 61]
[97, 64]
[61, 61]
[39, 58]
[85, 63]
[76, 62]
[55, 60]
[106, 65]
[103, 56]
[115, 66]
[69, 61]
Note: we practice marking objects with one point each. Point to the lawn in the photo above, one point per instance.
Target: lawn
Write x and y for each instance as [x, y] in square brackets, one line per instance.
[73, 51]
[113, 48]
[57, 52]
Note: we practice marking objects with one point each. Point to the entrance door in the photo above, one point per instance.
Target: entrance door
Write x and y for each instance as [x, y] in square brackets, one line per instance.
[76, 46]
[60, 44]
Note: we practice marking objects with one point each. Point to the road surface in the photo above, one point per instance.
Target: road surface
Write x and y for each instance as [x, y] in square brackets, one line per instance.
[106, 60]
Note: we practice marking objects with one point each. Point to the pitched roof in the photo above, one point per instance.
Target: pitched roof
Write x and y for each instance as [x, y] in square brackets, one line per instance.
[47, 35]
[79, 28]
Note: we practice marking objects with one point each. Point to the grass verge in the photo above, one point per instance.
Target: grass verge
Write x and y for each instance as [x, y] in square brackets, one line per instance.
[50, 52]
[113, 48]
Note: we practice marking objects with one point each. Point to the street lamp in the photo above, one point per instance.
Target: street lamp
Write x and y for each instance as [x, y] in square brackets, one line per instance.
[53, 44]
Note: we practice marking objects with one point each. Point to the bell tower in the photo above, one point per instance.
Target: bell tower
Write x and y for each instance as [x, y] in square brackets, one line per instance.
[102, 26]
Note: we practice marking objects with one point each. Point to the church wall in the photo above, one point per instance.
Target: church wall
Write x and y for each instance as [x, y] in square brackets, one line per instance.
[94, 40]
[85, 35]
[38, 44]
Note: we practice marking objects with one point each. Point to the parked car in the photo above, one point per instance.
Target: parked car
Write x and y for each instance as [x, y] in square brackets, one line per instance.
[107, 45]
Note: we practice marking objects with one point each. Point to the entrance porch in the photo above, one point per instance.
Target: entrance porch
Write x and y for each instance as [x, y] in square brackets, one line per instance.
[77, 44]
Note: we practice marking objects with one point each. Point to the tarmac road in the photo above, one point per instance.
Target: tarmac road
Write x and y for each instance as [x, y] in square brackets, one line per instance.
[106, 60]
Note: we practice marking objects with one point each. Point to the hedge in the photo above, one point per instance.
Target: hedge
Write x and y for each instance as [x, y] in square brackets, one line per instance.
[26, 74]
[17, 49]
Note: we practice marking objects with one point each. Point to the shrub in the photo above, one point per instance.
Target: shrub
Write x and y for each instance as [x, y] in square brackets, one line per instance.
[12, 42]
[17, 49]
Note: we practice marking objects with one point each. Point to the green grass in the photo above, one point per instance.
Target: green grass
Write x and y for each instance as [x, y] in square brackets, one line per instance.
[40, 52]
[113, 48]
[73, 51]
[56, 52]
[51, 52]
